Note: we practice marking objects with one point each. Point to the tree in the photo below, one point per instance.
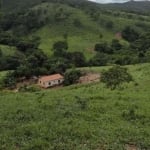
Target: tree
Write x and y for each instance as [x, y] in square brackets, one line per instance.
[57, 65]
[116, 45]
[76, 58]
[100, 36]
[23, 70]
[100, 59]
[24, 45]
[130, 34]
[65, 36]
[9, 80]
[37, 58]
[115, 77]
[142, 43]
[109, 24]
[60, 47]
[77, 23]
[71, 76]
[103, 48]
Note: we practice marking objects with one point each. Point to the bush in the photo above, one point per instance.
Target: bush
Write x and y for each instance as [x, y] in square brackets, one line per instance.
[25, 88]
[130, 34]
[60, 48]
[103, 48]
[132, 115]
[9, 80]
[72, 76]
[116, 44]
[109, 25]
[100, 59]
[76, 58]
[115, 77]
[77, 23]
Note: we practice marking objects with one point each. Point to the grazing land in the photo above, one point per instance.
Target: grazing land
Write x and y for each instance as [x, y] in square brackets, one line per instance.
[88, 44]
[79, 117]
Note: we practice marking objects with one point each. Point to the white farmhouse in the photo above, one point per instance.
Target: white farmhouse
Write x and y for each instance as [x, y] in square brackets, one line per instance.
[51, 80]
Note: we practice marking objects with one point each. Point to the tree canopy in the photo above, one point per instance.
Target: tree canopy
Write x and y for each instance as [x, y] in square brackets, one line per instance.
[115, 76]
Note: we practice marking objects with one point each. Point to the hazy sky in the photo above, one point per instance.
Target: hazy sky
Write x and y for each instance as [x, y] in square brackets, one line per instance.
[111, 1]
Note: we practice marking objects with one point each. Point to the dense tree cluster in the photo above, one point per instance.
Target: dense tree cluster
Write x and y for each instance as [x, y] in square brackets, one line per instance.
[130, 34]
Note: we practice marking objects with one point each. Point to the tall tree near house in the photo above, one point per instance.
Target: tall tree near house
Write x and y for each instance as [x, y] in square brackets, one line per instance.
[71, 76]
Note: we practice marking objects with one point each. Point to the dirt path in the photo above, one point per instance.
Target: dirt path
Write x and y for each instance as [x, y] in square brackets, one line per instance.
[90, 78]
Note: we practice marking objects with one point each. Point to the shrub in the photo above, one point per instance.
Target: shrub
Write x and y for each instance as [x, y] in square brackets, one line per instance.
[100, 59]
[103, 48]
[132, 115]
[25, 88]
[71, 76]
[60, 48]
[82, 102]
[9, 80]
[77, 23]
[115, 77]
[130, 34]
[116, 44]
[109, 25]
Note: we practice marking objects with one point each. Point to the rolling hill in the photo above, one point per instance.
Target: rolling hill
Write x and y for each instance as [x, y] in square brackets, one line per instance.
[133, 6]
[80, 116]
[82, 21]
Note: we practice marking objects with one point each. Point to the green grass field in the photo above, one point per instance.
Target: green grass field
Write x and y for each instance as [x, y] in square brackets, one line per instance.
[7, 50]
[79, 117]
[2, 74]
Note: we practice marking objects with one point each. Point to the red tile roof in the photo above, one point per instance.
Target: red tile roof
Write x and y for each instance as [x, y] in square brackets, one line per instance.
[51, 77]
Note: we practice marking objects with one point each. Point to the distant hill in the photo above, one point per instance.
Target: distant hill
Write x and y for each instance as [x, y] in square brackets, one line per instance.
[81, 20]
[24, 4]
[135, 6]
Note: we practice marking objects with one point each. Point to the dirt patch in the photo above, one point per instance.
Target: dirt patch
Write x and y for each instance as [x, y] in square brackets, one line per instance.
[90, 78]
[26, 82]
[118, 35]
[91, 50]
[131, 147]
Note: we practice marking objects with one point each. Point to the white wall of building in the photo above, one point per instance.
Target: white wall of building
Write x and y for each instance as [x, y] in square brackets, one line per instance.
[47, 84]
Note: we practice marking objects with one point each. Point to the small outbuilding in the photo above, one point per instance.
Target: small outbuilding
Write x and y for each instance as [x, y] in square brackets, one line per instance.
[51, 80]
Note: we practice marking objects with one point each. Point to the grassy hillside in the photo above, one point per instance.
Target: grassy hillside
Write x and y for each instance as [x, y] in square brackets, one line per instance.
[80, 117]
[84, 37]
[82, 21]
[19, 4]
[142, 6]
[2, 74]
[7, 50]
